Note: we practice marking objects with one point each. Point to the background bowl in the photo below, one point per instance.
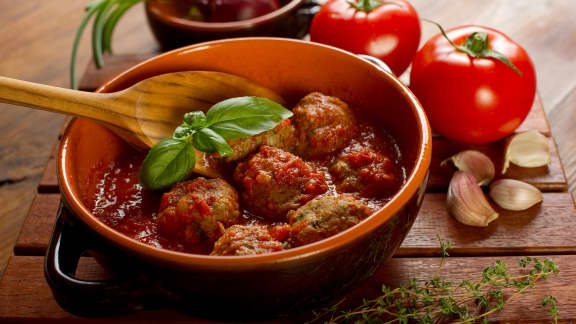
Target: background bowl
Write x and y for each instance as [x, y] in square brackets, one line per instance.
[291, 20]
[303, 276]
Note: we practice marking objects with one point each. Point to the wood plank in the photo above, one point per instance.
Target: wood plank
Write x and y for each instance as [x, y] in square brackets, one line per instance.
[536, 119]
[49, 180]
[548, 178]
[541, 229]
[37, 228]
[26, 297]
[563, 118]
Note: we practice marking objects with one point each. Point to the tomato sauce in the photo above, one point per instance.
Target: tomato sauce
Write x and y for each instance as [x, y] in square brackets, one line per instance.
[120, 202]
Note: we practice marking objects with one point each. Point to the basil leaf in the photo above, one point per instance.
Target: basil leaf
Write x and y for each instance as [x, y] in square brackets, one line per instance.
[183, 131]
[207, 140]
[168, 162]
[195, 119]
[245, 116]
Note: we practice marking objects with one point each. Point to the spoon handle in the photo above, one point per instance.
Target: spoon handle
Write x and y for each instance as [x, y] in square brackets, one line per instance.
[99, 107]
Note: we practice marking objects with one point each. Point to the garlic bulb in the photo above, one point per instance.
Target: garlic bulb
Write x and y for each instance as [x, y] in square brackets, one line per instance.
[528, 150]
[476, 163]
[466, 201]
[514, 194]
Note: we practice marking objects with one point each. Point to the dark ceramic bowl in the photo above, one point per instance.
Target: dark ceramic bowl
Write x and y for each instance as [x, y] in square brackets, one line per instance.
[286, 280]
[291, 20]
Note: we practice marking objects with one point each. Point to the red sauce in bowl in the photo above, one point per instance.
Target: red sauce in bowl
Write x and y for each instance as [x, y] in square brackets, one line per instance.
[121, 203]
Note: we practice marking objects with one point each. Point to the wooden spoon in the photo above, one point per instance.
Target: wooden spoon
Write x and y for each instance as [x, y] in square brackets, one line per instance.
[144, 113]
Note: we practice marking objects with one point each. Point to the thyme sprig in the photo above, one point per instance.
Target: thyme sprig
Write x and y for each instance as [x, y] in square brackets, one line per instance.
[438, 300]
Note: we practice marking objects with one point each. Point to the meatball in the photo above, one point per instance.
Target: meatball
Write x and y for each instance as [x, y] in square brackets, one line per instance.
[325, 216]
[197, 211]
[324, 125]
[251, 239]
[282, 136]
[273, 181]
[365, 171]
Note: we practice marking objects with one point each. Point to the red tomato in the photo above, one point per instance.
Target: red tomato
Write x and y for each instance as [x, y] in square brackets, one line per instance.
[473, 100]
[390, 32]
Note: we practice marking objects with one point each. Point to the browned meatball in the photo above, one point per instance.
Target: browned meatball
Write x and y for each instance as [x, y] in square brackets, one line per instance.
[282, 136]
[325, 216]
[197, 211]
[251, 239]
[324, 125]
[273, 181]
[365, 171]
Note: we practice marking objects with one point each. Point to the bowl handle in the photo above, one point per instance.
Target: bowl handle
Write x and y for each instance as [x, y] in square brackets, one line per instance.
[129, 291]
[305, 14]
[378, 62]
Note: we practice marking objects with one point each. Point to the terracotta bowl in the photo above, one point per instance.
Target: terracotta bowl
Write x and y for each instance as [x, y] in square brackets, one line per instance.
[303, 276]
[291, 20]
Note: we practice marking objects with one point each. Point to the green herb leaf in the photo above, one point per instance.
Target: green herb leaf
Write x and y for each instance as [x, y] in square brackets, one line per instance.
[91, 9]
[112, 21]
[168, 162]
[195, 119]
[104, 23]
[208, 141]
[439, 301]
[183, 132]
[98, 32]
[245, 116]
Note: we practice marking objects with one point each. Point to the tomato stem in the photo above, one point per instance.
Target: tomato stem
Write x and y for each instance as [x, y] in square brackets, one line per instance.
[369, 5]
[477, 45]
[477, 42]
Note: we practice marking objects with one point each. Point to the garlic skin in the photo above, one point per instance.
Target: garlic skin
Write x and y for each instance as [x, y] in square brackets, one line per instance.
[514, 194]
[467, 203]
[528, 150]
[476, 163]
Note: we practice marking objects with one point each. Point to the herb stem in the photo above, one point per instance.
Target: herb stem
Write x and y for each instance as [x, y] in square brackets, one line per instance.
[436, 300]
[91, 9]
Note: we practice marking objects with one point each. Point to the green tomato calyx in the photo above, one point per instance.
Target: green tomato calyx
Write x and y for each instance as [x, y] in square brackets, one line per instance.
[368, 6]
[477, 45]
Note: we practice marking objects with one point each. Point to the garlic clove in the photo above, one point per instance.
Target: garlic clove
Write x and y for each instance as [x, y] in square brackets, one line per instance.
[528, 150]
[467, 203]
[514, 194]
[476, 163]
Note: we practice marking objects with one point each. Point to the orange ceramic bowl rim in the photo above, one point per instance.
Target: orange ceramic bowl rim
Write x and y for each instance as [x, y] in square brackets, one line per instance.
[239, 263]
[221, 26]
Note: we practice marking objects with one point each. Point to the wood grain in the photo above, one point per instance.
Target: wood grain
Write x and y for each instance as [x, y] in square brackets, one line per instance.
[36, 39]
[37, 228]
[548, 178]
[26, 297]
[538, 230]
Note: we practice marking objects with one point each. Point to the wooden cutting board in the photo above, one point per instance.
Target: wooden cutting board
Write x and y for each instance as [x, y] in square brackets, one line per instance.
[547, 230]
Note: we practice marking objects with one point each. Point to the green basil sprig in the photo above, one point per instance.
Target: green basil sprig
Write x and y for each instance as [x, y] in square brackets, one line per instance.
[171, 159]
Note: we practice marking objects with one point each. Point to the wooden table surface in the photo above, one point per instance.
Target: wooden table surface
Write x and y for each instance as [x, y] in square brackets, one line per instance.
[37, 37]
